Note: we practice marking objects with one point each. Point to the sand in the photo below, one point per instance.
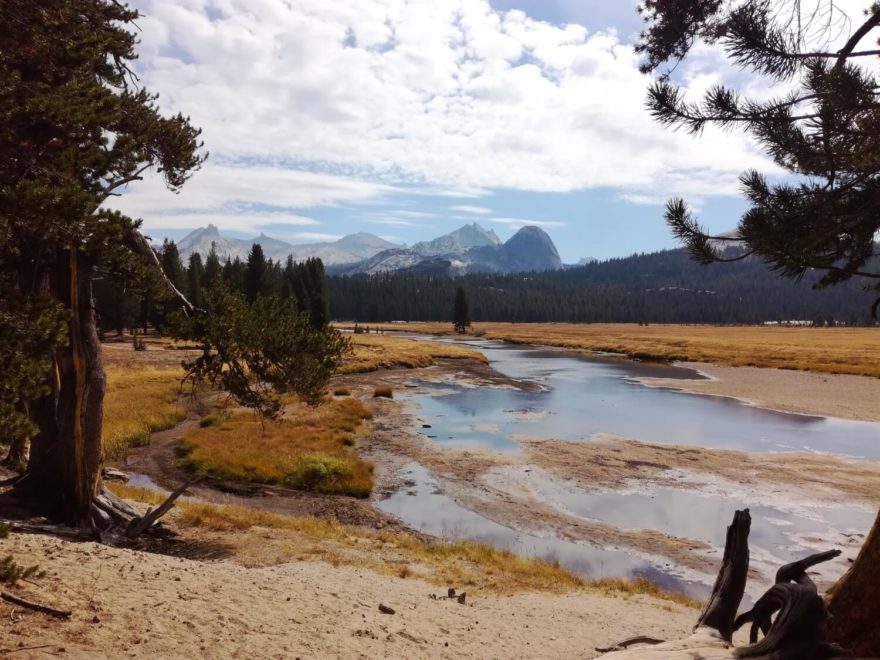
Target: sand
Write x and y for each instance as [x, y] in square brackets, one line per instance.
[827, 395]
[133, 604]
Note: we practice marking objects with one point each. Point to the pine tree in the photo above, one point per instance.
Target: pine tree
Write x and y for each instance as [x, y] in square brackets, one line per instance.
[461, 312]
[826, 131]
[74, 129]
[256, 277]
[213, 269]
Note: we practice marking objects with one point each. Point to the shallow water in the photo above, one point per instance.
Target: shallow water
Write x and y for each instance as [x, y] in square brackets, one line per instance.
[583, 395]
[423, 507]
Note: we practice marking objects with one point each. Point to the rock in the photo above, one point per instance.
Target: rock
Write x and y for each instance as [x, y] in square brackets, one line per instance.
[112, 474]
[451, 592]
[462, 597]
[384, 609]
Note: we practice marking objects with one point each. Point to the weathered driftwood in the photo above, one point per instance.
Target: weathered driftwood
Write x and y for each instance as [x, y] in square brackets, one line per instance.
[796, 633]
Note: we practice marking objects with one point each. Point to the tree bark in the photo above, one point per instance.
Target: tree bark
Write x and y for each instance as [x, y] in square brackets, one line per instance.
[64, 470]
[854, 602]
[17, 456]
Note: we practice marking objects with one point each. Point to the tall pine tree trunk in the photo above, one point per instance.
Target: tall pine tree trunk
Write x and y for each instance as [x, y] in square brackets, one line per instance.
[854, 602]
[16, 457]
[64, 470]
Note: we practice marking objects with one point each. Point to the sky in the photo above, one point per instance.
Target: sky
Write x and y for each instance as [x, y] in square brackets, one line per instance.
[410, 118]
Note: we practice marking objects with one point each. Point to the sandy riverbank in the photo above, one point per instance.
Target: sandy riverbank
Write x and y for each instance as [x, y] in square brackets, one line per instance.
[133, 604]
[805, 392]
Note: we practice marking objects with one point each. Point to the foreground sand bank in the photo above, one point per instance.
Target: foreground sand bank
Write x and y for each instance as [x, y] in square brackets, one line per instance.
[133, 604]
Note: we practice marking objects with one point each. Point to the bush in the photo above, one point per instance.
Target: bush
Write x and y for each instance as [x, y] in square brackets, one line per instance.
[383, 391]
[217, 419]
[137, 343]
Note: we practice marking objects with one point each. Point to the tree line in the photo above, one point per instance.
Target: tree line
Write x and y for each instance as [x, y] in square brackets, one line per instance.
[121, 306]
[661, 287]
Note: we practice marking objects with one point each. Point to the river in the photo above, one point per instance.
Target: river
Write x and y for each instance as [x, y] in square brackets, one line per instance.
[579, 395]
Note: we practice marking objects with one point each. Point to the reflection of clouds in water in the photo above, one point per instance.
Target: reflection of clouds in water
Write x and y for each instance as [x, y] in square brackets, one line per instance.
[780, 533]
[434, 513]
[485, 428]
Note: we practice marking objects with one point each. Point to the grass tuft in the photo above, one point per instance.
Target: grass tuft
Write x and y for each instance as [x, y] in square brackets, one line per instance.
[384, 392]
[215, 419]
[640, 586]
[372, 352]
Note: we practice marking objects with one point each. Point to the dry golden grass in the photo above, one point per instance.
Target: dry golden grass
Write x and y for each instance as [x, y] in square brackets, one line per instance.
[139, 402]
[308, 449]
[472, 565]
[826, 350]
[372, 352]
[383, 391]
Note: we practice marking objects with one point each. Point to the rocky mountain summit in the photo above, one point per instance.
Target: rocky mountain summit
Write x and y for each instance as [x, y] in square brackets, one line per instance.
[468, 249]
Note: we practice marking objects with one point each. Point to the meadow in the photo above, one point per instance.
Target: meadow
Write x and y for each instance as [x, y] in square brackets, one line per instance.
[371, 352]
[309, 448]
[139, 402]
[824, 350]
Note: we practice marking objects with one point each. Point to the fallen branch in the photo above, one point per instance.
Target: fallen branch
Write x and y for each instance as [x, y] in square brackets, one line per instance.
[54, 530]
[641, 639]
[45, 609]
[139, 525]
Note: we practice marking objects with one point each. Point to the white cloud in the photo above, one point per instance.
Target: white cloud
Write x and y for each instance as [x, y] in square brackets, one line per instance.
[476, 210]
[523, 222]
[242, 197]
[313, 236]
[392, 222]
[323, 103]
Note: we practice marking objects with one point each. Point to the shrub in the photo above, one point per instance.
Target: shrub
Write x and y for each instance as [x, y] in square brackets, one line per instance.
[11, 571]
[383, 391]
[217, 419]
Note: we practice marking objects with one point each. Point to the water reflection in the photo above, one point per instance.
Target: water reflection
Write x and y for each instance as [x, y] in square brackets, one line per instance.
[423, 507]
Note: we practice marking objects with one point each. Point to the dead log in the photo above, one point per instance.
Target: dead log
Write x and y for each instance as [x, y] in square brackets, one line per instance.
[719, 612]
[791, 615]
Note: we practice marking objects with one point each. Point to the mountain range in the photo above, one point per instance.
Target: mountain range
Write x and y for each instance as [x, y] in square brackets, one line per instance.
[468, 249]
